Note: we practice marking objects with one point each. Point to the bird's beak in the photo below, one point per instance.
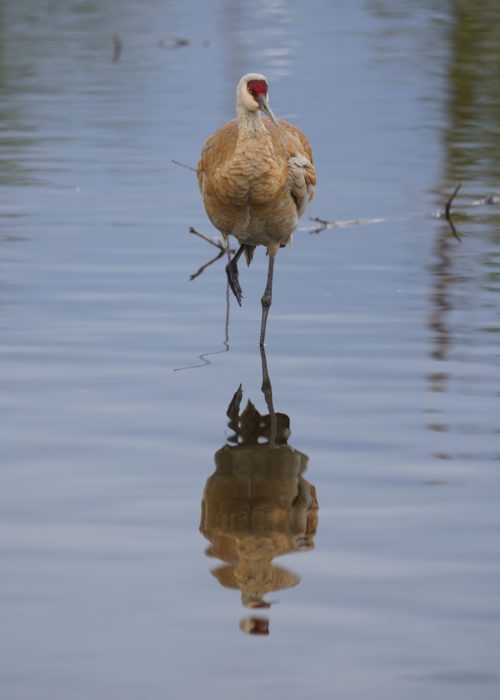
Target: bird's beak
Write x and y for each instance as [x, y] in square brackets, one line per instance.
[264, 106]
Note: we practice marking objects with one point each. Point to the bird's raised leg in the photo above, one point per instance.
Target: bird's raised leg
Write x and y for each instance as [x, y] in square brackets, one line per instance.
[268, 294]
[232, 274]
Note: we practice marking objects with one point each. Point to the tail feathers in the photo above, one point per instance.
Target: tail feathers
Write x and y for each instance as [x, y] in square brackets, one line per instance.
[249, 250]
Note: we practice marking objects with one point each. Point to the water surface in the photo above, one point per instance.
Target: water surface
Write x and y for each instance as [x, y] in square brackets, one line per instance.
[382, 355]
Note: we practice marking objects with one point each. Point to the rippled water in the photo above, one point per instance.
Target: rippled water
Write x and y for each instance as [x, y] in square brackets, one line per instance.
[124, 466]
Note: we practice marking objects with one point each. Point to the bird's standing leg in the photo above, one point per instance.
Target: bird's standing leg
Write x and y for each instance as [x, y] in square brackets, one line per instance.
[232, 274]
[268, 294]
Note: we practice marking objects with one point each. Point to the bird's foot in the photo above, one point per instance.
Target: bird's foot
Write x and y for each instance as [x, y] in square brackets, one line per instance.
[233, 279]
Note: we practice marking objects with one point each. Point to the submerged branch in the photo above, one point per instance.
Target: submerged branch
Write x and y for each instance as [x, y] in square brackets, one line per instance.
[450, 200]
[117, 47]
[327, 224]
[442, 213]
[169, 42]
[446, 212]
[346, 223]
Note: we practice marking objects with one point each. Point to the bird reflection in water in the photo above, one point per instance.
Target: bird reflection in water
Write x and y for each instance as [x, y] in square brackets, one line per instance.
[257, 505]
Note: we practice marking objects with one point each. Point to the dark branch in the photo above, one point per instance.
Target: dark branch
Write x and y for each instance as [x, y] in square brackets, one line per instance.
[188, 167]
[223, 248]
[346, 223]
[204, 267]
[324, 224]
[169, 42]
[218, 244]
[447, 211]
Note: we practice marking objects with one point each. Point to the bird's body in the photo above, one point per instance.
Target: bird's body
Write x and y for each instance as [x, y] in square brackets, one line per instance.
[253, 185]
[256, 178]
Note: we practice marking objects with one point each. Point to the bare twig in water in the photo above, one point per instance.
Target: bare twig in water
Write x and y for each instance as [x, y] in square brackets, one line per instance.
[183, 165]
[450, 200]
[169, 42]
[447, 211]
[204, 267]
[117, 47]
[222, 246]
[442, 213]
[326, 224]
[489, 199]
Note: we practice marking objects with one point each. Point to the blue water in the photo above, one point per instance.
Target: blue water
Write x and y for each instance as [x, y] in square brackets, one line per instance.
[382, 351]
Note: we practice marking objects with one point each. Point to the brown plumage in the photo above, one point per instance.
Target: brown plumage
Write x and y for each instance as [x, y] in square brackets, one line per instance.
[256, 177]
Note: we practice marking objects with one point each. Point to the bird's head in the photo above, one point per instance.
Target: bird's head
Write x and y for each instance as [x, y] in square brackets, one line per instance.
[252, 94]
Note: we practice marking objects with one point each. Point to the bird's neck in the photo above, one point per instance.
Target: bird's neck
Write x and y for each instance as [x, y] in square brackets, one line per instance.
[249, 123]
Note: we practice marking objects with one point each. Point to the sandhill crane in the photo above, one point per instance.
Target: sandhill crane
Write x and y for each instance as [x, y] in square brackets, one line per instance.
[256, 178]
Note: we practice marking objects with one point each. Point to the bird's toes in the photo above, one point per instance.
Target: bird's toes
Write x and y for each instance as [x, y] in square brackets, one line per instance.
[236, 289]
[233, 279]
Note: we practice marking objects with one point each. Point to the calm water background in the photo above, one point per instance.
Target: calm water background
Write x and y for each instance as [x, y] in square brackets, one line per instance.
[382, 350]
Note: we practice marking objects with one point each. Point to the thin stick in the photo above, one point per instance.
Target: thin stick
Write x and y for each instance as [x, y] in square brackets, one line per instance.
[218, 244]
[326, 224]
[188, 167]
[222, 247]
[204, 267]
[205, 238]
[442, 213]
[447, 211]
[450, 200]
